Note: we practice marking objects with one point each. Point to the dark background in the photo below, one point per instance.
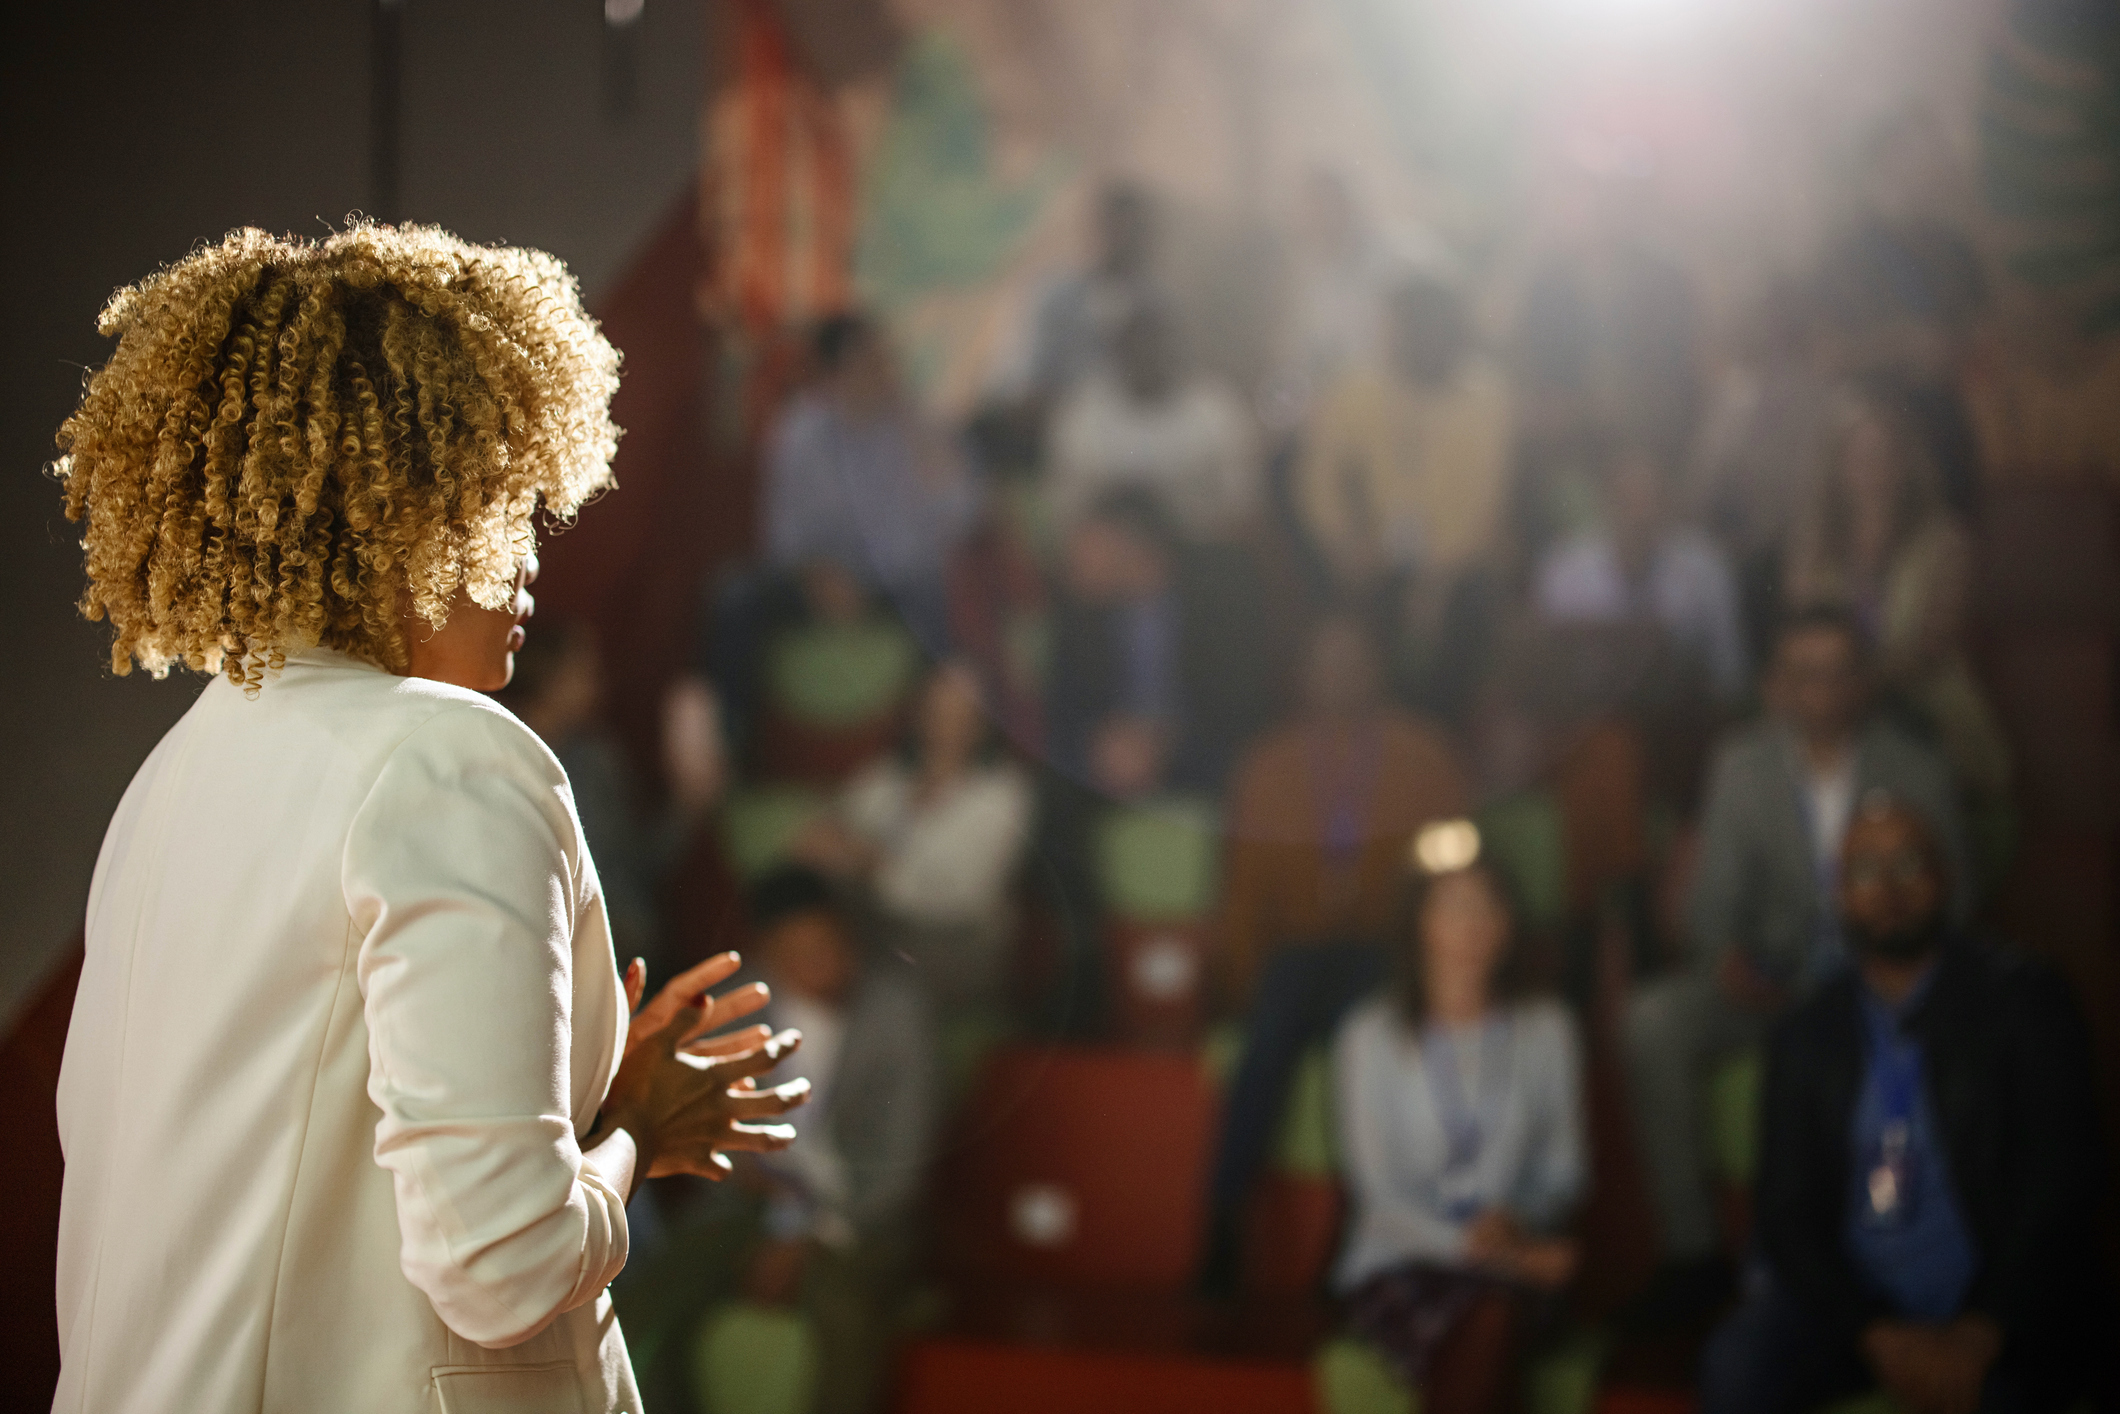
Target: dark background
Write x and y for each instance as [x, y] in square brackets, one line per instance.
[134, 131]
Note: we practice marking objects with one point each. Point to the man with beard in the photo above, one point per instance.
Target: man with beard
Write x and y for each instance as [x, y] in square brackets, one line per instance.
[1928, 1181]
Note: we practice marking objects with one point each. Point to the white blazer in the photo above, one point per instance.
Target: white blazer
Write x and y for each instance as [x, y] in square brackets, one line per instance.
[348, 1008]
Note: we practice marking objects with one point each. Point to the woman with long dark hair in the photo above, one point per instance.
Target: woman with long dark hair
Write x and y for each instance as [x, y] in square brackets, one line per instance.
[1461, 1125]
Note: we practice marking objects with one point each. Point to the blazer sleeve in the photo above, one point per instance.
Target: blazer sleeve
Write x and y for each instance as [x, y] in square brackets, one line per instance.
[462, 876]
[1715, 911]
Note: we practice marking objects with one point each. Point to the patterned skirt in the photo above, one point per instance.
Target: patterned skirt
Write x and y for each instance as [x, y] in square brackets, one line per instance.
[1407, 1312]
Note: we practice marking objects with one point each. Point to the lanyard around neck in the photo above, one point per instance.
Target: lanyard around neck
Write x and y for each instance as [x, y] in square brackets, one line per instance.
[1461, 1113]
[1896, 1061]
[1346, 783]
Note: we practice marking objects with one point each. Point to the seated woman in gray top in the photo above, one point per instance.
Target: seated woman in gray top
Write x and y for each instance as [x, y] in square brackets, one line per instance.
[1461, 1124]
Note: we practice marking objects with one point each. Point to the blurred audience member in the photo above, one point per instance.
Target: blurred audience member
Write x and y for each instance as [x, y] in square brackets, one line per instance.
[1344, 272]
[937, 835]
[558, 692]
[2046, 402]
[1609, 332]
[839, 1223]
[1905, 292]
[856, 480]
[1404, 474]
[1320, 811]
[1928, 1177]
[1320, 817]
[1877, 537]
[1763, 923]
[1079, 315]
[1640, 563]
[1758, 451]
[1117, 694]
[1150, 422]
[1460, 1196]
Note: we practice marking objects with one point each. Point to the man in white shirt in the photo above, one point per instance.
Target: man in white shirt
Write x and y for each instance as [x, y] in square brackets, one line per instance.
[1638, 565]
[1151, 423]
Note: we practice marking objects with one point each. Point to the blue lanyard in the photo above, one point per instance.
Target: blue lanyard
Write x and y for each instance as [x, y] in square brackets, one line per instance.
[1897, 1061]
[1463, 1127]
[1889, 1180]
[1346, 794]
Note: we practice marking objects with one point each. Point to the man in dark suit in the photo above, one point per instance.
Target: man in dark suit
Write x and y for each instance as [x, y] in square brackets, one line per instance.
[1763, 924]
[1928, 1186]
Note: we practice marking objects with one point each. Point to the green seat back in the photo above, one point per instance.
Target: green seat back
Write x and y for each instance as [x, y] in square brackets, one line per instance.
[1522, 834]
[1352, 1377]
[758, 825]
[1563, 1379]
[841, 675]
[963, 1042]
[1219, 1053]
[1733, 1116]
[750, 1359]
[1875, 1402]
[1157, 861]
[1307, 1144]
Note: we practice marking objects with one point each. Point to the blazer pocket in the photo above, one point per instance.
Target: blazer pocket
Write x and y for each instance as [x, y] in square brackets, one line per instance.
[507, 1389]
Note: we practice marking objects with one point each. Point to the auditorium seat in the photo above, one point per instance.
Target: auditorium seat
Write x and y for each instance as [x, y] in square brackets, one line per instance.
[835, 699]
[1072, 1206]
[1354, 1378]
[1081, 1166]
[750, 1359]
[1293, 1226]
[1527, 837]
[1291, 1233]
[948, 1376]
[1733, 1134]
[1157, 875]
[758, 825]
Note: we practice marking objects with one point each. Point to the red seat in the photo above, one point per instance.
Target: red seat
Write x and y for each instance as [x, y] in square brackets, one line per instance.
[1157, 975]
[1293, 1230]
[1082, 1166]
[974, 1377]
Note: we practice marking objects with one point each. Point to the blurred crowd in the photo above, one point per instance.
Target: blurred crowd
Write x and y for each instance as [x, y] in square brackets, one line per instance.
[1471, 696]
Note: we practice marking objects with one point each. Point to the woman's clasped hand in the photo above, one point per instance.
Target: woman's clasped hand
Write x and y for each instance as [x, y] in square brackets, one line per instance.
[687, 1090]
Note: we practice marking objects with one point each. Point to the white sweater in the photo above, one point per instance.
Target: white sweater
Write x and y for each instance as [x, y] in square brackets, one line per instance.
[1393, 1139]
[951, 860]
[348, 1006]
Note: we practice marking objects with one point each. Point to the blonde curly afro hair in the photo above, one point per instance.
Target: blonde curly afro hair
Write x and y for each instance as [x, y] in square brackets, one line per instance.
[297, 440]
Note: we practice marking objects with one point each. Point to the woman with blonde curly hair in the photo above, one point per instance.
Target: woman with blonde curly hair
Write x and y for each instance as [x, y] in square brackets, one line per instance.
[351, 1104]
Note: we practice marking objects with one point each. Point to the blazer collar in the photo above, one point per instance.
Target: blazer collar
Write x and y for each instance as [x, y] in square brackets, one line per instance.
[318, 656]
